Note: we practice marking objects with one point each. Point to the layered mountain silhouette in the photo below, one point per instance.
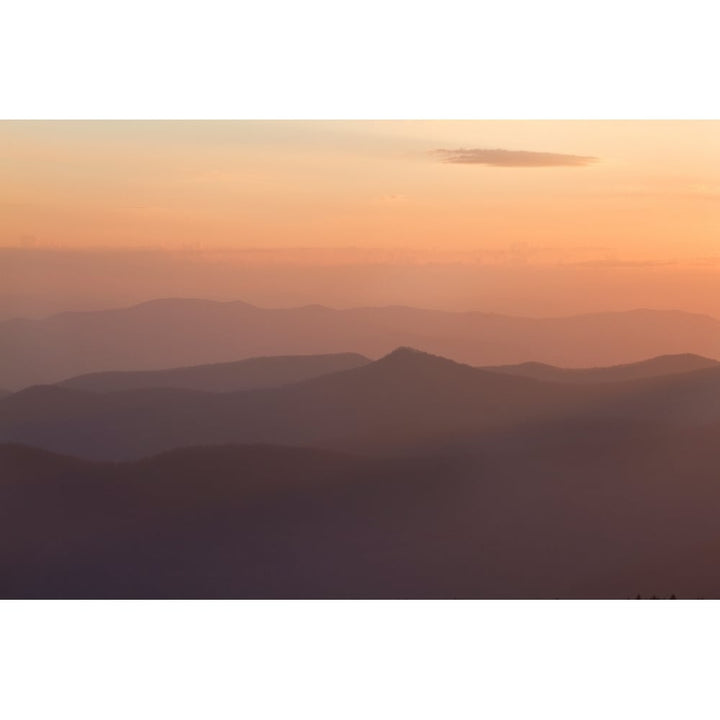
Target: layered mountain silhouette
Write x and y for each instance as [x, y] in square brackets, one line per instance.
[654, 367]
[174, 333]
[404, 401]
[250, 374]
[394, 402]
[258, 373]
[573, 511]
[331, 475]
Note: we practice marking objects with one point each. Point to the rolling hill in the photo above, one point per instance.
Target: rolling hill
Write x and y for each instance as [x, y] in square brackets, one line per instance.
[653, 367]
[562, 511]
[250, 374]
[265, 372]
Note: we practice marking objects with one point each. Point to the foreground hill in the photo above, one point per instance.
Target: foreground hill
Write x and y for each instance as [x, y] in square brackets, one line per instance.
[654, 367]
[565, 511]
[250, 374]
[173, 333]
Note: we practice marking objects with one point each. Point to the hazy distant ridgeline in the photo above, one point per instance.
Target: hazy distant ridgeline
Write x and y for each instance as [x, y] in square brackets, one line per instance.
[258, 373]
[596, 510]
[654, 367]
[175, 333]
[250, 374]
[402, 402]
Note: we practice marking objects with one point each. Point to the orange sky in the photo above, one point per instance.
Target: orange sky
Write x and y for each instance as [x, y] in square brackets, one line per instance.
[610, 194]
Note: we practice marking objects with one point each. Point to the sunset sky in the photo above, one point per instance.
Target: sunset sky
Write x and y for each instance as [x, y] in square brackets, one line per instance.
[517, 216]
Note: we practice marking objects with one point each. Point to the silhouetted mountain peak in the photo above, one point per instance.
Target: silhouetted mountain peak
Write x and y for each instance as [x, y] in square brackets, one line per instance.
[405, 355]
[405, 351]
[408, 358]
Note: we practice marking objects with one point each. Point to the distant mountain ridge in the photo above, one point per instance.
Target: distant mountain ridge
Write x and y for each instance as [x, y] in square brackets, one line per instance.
[265, 372]
[249, 374]
[404, 401]
[653, 367]
[182, 332]
[399, 398]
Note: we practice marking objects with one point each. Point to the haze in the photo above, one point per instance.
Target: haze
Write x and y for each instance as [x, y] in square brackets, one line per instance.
[517, 217]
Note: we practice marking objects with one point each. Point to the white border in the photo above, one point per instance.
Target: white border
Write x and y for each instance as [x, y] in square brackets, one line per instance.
[389, 59]
[375, 59]
[358, 660]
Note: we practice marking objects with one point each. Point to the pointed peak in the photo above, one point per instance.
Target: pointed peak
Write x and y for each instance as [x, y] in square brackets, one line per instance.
[406, 351]
[411, 357]
[408, 354]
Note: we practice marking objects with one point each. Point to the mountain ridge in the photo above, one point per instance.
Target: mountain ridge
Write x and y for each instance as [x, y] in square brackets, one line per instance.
[651, 367]
[247, 374]
[187, 376]
[403, 401]
[185, 301]
[173, 333]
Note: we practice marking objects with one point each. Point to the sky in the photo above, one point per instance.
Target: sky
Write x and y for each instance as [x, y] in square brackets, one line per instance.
[521, 217]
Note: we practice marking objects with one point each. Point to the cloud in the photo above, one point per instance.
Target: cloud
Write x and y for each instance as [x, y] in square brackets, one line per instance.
[511, 158]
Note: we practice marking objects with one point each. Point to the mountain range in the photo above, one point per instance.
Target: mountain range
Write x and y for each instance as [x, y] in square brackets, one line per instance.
[170, 453]
[406, 400]
[653, 367]
[177, 332]
[263, 372]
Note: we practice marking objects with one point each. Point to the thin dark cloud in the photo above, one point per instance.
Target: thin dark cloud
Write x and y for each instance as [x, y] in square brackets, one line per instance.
[511, 158]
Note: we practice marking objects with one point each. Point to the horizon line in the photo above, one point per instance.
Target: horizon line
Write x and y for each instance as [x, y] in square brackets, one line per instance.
[320, 306]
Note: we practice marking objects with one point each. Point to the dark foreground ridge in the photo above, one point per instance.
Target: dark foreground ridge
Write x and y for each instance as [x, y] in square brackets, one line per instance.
[597, 511]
